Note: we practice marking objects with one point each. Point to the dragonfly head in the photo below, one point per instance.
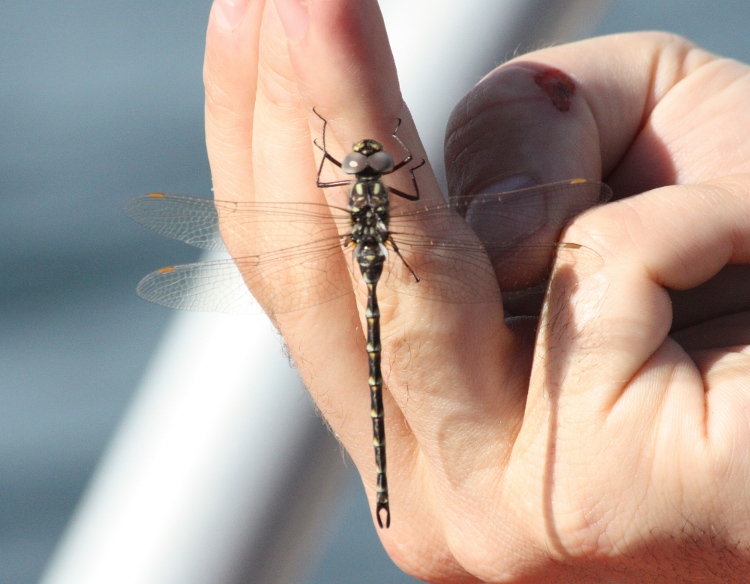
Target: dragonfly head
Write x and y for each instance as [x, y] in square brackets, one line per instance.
[367, 158]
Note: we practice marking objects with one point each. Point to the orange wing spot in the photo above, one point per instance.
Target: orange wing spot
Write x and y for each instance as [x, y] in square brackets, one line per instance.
[578, 181]
[165, 270]
[156, 195]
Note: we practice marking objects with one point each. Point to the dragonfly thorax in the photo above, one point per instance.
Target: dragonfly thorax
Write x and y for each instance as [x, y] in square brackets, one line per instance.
[368, 192]
[369, 206]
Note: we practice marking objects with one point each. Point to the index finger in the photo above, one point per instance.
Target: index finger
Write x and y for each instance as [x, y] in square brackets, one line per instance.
[341, 57]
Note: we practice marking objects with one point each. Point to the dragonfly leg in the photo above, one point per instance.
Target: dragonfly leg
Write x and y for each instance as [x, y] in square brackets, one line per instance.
[398, 253]
[400, 165]
[409, 157]
[407, 196]
[326, 156]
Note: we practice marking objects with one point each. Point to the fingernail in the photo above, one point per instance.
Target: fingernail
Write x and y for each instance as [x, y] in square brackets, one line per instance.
[294, 18]
[229, 13]
[510, 183]
[505, 218]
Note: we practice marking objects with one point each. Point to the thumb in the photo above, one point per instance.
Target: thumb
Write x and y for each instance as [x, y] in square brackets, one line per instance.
[523, 126]
[526, 123]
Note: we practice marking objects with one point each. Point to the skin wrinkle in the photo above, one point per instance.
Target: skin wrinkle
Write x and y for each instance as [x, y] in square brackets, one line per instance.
[215, 94]
[213, 103]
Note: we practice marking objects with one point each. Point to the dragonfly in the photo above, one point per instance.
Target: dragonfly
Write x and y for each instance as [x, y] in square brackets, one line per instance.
[416, 248]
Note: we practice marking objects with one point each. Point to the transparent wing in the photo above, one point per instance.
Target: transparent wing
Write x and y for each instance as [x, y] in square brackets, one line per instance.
[195, 220]
[514, 215]
[513, 240]
[207, 287]
[282, 281]
[293, 250]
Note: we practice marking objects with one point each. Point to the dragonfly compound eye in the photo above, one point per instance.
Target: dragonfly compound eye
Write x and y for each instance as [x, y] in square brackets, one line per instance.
[354, 163]
[381, 162]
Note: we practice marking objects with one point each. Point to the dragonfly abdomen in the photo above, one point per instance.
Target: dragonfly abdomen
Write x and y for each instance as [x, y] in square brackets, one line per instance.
[368, 203]
[375, 381]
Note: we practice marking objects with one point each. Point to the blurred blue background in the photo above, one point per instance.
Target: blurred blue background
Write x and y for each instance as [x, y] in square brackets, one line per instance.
[100, 102]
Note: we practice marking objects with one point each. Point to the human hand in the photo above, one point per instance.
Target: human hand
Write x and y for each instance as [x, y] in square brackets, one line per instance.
[602, 449]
